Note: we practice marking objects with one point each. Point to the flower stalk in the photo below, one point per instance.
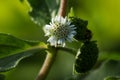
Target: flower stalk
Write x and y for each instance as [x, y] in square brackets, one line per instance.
[63, 7]
[50, 58]
[52, 51]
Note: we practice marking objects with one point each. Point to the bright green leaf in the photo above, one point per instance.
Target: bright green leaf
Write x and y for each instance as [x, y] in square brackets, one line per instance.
[71, 13]
[10, 44]
[11, 61]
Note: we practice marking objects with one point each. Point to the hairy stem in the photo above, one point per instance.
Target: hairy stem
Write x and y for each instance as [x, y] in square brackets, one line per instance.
[63, 7]
[50, 58]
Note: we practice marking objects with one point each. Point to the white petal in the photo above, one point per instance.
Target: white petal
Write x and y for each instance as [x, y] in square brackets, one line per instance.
[53, 20]
[47, 34]
[70, 36]
[52, 40]
[63, 44]
[72, 26]
[57, 18]
[73, 32]
[63, 21]
[46, 28]
[60, 41]
[68, 23]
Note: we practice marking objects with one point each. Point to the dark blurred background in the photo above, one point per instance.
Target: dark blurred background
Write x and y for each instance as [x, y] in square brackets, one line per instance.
[103, 17]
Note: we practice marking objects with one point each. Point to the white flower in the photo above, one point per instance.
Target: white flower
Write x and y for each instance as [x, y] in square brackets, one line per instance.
[59, 30]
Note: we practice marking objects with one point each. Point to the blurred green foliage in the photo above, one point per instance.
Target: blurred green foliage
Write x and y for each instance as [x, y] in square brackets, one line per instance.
[105, 70]
[103, 19]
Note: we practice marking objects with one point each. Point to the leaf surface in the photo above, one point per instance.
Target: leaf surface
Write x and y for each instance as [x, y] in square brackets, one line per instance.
[10, 45]
[10, 62]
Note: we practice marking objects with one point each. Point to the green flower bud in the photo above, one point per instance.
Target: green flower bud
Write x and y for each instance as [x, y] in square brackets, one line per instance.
[83, 34]
[86, 57]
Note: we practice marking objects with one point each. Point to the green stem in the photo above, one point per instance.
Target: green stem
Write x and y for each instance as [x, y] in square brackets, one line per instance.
[50, 58]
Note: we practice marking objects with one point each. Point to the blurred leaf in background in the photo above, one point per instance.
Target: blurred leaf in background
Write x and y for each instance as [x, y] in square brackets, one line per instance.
[103, 17]
[14, 19]
[108, 68]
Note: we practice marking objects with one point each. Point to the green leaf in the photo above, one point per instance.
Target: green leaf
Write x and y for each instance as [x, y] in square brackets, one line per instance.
[40, 12]
[11, 45]
[71, 12]
[108, 68]
[11, 61]
[43, 10]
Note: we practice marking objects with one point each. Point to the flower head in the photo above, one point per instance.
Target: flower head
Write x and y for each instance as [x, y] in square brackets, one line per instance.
[59, 30]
